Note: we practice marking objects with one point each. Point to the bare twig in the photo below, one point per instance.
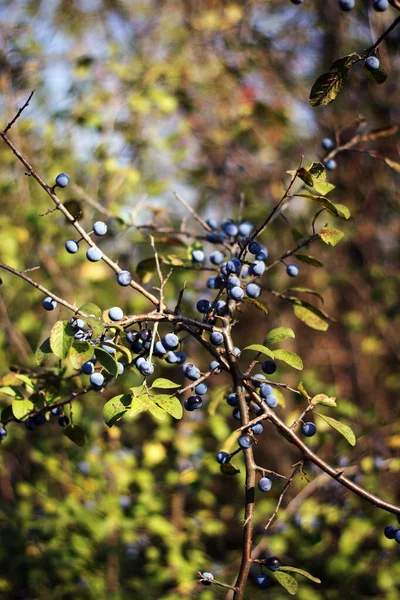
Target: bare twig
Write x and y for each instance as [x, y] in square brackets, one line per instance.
[19, 113]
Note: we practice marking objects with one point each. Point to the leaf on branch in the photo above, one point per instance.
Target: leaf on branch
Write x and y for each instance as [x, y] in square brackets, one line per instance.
[300, 572]
[279, 335]
[106, 360]
[311, 316]
[261, 349]
[256, 304]
[96, 326]
[303, 290]
[91, 309]
[29, 383]
[146, 269]
[331, 236]
[318, 173]
[61, 338]
[328, 85]
[173, 260]
[343, 429]
[324, 400]
[76, 435]
[79, 353]
[170, 404]
[302, 390]
[343, 211]
[290, 358]
[309, 260]
[379, 75]
[229, 469]
[286, 581]
[165, 384]
[13, 391]
[22, 408]
[43, 353]
[115, 408]
[393, 164]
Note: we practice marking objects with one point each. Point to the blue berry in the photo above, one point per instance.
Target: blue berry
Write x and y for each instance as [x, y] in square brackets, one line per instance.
[211, 283]
[94, 254]
[198, 256]
[292, 270]
[380, 5]
[346, 5]
[3, 433]
[236, 351]
[108, 348]
[115, 313]
[390, 531]
[272, 401]
[217, 258]
[201, 389]
[273, 563]
[260, 378]
[97, 380]
[87, 368]
[245, 271]
[245, 441]
[216, 338]
[309, 429]
[212, 223]
[268, 366]
[236, 293]
[63, 420]
[236, 413]
[140, 360]
[327, 144]
[62, 180]
[180, 357]
[100, 228]
[397, 536]
[30, 424]
[253, 290]
[233, 265]
[121, 368]
[124, 278]
[223, 458]
[209, 577]
[56, 411]
[40, 419]
[263, 581]
[263, 254]
[171, 357]
[254, 247]
[371, 62]
[214, 364]
[203, 306]
[219, 307]
[257, 268]
[266, 390]
[49, 303]
[229, 228]
[171, 341]
[257, 428]
[215, 237]
[146, 368]
[193, 402]
[265, 484]
[233, 281]
[232, 399]
[71, 246]
[246, 228]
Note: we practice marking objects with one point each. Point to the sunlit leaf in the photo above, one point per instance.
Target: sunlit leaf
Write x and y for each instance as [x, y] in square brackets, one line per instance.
[290, 358]
[259, 348]
[164, 384]
[343, 429]
[324, 400]
[286, 581]
[22, 408]
[61, 338]
[115, 408]
[278, 335]
[300, 572]
[79, 353]
[311, 316]
[171, 404]
[90, 309]
[257, 304]
[330, 235]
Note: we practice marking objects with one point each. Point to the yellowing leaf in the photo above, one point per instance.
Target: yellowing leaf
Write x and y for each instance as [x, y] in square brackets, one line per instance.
[330, 235]
[290, 358]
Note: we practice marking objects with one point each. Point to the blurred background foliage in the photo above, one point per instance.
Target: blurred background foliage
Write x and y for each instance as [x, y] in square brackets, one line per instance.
[136, 99]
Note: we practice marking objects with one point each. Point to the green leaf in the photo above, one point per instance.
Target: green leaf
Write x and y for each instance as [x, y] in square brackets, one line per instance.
[343, 211]
[310, 260]
[259, 348]
[170, 404]
[174, 261]
[125, 351]
[278, 335]
[289, 358]
[327, 87]
[22, 408]
[257, 304]
[302, 390]
[321, 200]
[229, 469]
[29, 383]
[164, 384]
[61, 338]
[75, 434]
[156, 411]
[90, 309]
[43, 353]
[106, 360]
[146, 269]
[13, 391]
[344, 430]
[330, 235]
[379, 75]
[300, 572]
[324, 400]
[311, 316]
[318, 172]
[139, 404]
[96, 326]
[286, 581]
[115, 408]
[303, 290]
[79, 353]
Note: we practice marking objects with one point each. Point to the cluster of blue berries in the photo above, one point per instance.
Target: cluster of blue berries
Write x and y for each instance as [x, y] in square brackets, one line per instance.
[347, 5]
[40, 419]
[392, 533]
